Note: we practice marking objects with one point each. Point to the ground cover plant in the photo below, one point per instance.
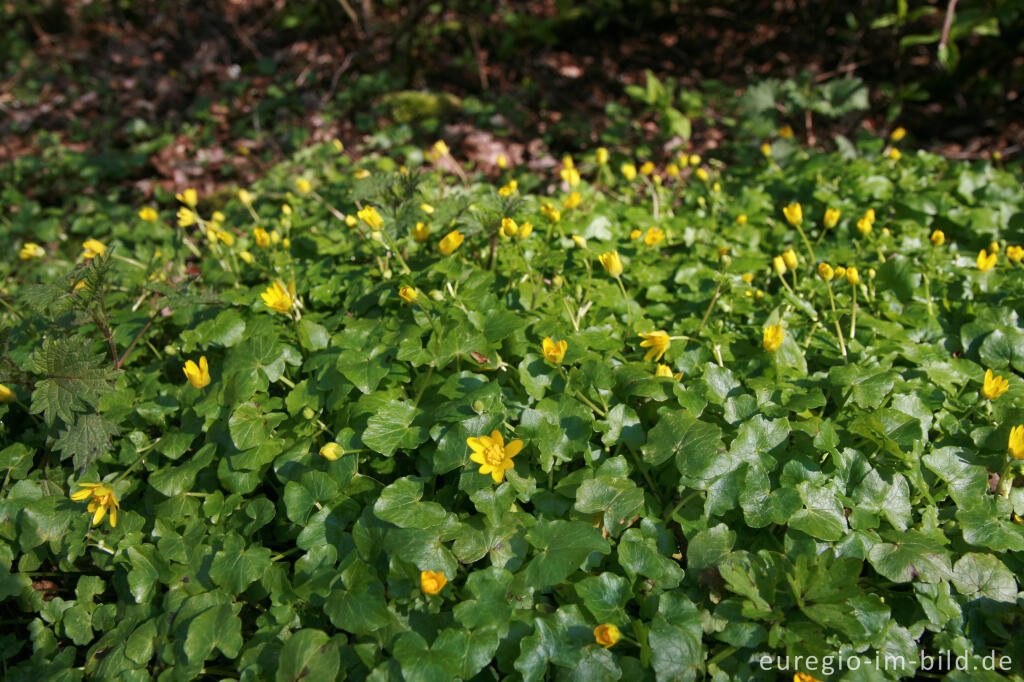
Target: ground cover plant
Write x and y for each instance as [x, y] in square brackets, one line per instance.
[386, 419]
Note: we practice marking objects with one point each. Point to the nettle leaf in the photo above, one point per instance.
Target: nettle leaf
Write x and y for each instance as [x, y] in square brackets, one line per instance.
[562, 546]
[87, 439]
[75, 378]
[392, 428]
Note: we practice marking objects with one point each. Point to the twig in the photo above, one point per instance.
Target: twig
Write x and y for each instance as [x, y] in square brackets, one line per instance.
[947, 24]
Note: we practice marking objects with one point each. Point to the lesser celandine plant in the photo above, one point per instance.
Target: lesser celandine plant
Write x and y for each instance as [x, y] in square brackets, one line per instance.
[362, 421]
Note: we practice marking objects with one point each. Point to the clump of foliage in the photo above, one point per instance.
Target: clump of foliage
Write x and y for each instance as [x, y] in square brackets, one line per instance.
[616, 422]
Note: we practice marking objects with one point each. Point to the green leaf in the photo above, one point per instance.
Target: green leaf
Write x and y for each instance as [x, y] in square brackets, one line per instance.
[87, 439]
[984, 576]
[312, 336]
[75, 378]
[249, 427]
[708, 547]
[400, 504]
[236, 566]
[308, 655]
[619, 499]
[365, 371]
[605, 596]
[392, 428]
[218, 627]
[914, 556]
[561, 546]
[692, 442]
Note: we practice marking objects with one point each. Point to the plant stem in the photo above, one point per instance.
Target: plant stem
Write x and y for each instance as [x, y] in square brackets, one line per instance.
[625, 298]
[839, 329]
[714, 299]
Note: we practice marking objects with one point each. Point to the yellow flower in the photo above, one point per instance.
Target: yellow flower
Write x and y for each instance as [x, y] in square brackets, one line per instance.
[421, 232]
[554, 352]
[657, 342]
[303, 185]
[571, 176]
[286, 210]
[277, 298]
[261, 236]
[92, 248]
[794, 214]
[1016, 443]
[332, 451]
[646, 168]
[6, 394]
[509, 227]
[766, 149]
[636, 234]
[188, 197]
[245, 196]
[741, 219]
[525, 230]
[894, 154]
[852, 276]
[694, 159]
[717, 187]
[551, 213]
[427, 208]
[654, 236]
[790, 259]
[246, 256]
[602, 156]
[502, 161]
[994, 386]
[432, 582]
[351, 220]
[148, 214]
[898, 134]
[779, 265]
[840, 272]
[804, 677]
[567, 162]
[986, 261]
[747, 277]
[225, 237]
[30, 250]
[361, 174]
[825, 271]
[198, 375]
[450, 242]
[1014, 254]
[993, 247]
[439, 149]
[509, 189]
[786, 132]
[493, 455]
[666, 371]
[573, 200]
[773, 335]
[672, 170]
[938, 238]
[580, 242]
[408, 294]
[103, 500]
[610, 262]
[831, 217]
[628, 171]
[864, 225]
[607, 635]
[369, 215]
[186, 217]
[702, 174]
